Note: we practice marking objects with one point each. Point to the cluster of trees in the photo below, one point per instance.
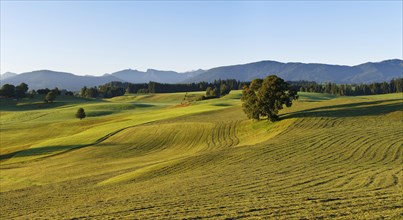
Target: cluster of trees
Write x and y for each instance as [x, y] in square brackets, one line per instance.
[55, 90]
[89, 92]
[154, 87]
[113, 89]
[21, 91]
[216, 92]
[50, 94]
[264, 98]
[11, 91]
[103, 91]
[394, 86]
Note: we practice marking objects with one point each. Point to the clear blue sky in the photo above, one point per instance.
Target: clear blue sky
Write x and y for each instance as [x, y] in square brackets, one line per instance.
[97, 37]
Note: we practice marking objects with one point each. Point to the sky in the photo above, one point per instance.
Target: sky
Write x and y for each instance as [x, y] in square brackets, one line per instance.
[98, 37]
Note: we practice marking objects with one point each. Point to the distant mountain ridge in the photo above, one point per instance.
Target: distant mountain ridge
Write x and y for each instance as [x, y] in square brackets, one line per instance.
[8, 75]
[363, 73]
[135, 76]
[51, 79]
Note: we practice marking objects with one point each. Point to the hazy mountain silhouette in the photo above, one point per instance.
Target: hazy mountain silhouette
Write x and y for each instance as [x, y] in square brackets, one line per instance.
[363, 73]
[135, 76]
[50, 79]
[7, 75]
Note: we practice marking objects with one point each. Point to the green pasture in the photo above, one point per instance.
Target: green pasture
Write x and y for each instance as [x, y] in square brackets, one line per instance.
[153, 157]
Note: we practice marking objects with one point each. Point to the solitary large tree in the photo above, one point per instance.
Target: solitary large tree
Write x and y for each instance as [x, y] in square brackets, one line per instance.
[264, 98]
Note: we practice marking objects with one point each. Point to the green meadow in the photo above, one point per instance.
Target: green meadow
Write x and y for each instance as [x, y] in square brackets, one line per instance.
[153, 157]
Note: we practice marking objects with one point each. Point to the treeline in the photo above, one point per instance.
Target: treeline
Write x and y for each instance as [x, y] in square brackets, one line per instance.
[56, 91]
[113, 89]
[21, 91]
[216, 88]
[393, 86]
[216, 92]
[11, 91]
[221, 87]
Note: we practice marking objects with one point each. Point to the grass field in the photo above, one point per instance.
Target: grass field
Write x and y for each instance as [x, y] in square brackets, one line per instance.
[148, 156]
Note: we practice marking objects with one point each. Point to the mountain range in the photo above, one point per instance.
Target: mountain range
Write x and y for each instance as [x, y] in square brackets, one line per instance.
[136, 76]
[363, 73]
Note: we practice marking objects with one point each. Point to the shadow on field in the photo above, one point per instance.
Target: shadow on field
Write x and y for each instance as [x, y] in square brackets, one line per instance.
[39, 151]
[221, 104]
[315, 97]
[98, 113]
[350, 110]
[144, 105]
[37, 103]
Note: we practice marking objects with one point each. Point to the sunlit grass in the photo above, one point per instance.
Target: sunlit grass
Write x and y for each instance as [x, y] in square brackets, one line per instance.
[148, 156]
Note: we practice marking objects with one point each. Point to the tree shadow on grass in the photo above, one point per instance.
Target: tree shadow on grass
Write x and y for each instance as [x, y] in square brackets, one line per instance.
[39, 151]
[30, 106]
[316, 97]
[144, 105]
[350, 110]
[37, 104]
[221, 104]
[98, 113]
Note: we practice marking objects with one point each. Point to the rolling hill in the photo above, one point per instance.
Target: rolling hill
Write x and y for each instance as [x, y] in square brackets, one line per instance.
[149, 157]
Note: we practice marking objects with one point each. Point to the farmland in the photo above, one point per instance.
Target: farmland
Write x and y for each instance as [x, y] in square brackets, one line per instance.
[149, 156]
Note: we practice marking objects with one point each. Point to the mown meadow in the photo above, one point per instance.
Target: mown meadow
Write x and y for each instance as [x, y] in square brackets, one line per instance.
[154, 157]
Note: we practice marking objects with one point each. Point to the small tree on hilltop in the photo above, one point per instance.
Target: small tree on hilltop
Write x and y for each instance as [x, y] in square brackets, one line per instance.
[50, 97]
[80, 113]
[265, 98]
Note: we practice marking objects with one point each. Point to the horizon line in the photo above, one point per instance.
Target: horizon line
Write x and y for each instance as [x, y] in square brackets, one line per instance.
[197, 69]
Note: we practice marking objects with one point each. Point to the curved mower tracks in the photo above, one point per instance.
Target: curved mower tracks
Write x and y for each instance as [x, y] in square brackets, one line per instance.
[98, 141]
[222, 135]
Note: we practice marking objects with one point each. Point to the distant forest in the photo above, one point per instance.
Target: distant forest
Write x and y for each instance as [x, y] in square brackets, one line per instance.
[394, 86]
[113, 89]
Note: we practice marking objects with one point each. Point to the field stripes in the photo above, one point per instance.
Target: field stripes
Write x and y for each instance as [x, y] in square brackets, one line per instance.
[339, 158]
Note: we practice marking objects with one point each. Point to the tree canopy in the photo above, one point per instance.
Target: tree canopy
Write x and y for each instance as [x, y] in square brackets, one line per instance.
[50, 97]
[80, 113]
[7, 90]
[264, 98]
[20, 90]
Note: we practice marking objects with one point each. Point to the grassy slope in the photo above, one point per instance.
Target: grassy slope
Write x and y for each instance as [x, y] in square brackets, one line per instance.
[148, 156]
